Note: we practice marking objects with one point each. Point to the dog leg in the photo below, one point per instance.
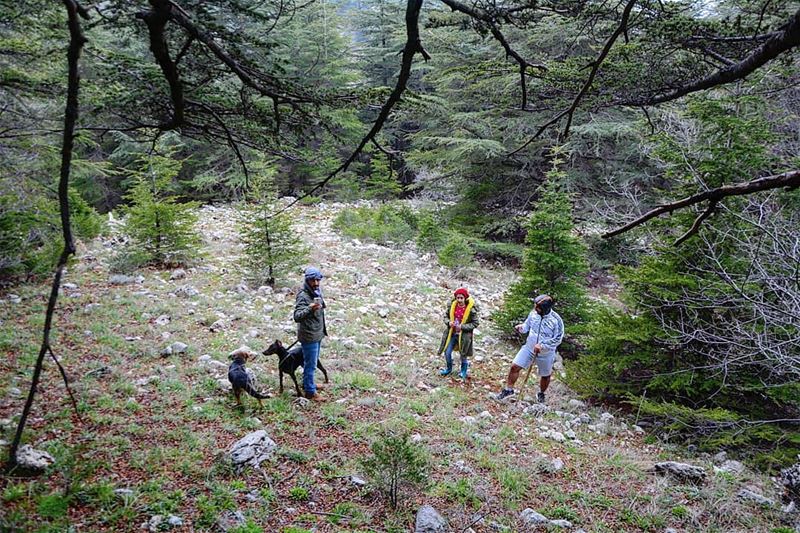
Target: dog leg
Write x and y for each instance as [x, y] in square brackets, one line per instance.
[296, 386]
[280, 380]
[324, 372]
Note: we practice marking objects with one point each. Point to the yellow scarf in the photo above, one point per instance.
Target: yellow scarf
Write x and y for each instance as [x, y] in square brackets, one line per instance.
[463, 321]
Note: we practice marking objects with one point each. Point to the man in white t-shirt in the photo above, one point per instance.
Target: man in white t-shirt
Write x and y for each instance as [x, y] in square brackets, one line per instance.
[545, 330]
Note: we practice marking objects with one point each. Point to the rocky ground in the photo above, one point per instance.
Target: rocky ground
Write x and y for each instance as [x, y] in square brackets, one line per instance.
[161, 446]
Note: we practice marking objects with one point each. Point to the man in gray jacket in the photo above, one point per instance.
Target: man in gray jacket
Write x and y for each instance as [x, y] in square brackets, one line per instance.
[309, 313]
[545, 331]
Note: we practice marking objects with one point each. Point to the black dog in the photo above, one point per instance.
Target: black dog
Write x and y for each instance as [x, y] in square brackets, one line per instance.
[288, 361]
[240, 379]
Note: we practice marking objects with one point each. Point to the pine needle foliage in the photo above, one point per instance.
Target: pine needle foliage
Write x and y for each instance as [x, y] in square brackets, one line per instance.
[554, 260]
[272, 248]
[395, 462]
[161, 230]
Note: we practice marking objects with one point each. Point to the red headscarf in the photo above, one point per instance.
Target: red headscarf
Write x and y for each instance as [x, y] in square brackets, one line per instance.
[462, 291]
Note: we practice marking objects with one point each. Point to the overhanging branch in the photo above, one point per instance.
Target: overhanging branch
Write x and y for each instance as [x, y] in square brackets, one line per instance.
[789, 180]
[776, 44]
[412, 47]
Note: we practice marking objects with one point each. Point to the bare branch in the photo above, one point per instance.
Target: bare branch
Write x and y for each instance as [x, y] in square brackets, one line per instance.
[182, 19]
[569, 112]
[76, 42]
[498, 35]
[696, 225]
[789, 180]
[778, 42]
[412, 47]
[156, 20]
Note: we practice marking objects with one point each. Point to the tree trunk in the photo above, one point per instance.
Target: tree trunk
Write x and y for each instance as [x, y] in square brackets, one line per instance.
[76, 43]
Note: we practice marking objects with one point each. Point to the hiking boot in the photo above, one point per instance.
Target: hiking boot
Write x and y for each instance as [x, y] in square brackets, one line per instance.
[445, 371]
[463, 375]
[503, 394]
[314, 397]
[540, 397]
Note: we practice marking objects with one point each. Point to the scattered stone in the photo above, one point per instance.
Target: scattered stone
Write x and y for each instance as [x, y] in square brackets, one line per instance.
[123, 494]
[369, 401]
[69, 286]
[570, 434]
[357, 481]
[252, 449]
[532, 519]
[224, 385]
[606, 417]
[566, 524]
[154, 523]
[429, 521]
[219, 325]
[730, 466]
[14, 298]
[576, 404]
[789, 508]
[382, 312]
[186, 291]
[416, 437]
[15, 391]
[752, 496]
[681, 471]
[143, 382]
[178, 347]
[468, 419]
[178, 273]
[162, 320]
[557, 465]
[229, 520]
[121, 279]
[639, 430]
[790, 478]
[554, 435]
[720, 457]
[174, 521]
[34, 460]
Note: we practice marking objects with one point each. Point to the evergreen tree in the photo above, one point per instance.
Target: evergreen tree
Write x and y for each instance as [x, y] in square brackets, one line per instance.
[708, 343]
[161, 229]
[271, 246]
[554, 261]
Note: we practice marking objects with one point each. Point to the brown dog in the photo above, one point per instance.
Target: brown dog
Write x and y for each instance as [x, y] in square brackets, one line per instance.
[240, 379]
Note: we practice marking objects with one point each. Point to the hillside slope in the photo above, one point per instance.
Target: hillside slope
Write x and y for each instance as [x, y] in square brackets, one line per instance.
[157, 428]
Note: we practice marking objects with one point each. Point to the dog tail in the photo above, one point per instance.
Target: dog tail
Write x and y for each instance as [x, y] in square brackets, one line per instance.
[249, 389]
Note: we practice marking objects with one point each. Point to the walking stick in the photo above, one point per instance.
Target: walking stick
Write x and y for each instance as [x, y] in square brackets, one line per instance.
[528, 373]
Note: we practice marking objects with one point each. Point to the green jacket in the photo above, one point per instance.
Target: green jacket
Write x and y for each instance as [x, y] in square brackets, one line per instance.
[465, 337]
[310, 324]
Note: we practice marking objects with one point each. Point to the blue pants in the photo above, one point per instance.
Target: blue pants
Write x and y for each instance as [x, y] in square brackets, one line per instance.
[448, 356]
[310, 358]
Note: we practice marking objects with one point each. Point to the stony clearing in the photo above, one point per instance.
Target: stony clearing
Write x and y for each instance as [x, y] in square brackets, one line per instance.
[147, 358]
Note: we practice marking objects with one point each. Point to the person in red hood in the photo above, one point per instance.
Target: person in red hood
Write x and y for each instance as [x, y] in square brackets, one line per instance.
[461, 318]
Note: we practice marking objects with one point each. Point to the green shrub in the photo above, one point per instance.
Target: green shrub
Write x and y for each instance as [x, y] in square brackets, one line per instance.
[389, 223]
[554, 262]
[31, 237]
[395, 461]
[431, 234]
[271, 246]
[456, 251]
[53, 506]
[159, 227]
